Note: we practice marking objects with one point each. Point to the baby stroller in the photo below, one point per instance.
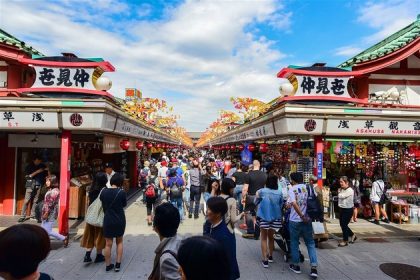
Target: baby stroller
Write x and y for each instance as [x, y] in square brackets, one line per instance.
[282, 237]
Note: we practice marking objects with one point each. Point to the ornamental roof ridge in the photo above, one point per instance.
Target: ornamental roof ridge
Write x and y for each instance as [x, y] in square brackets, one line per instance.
[8, 39]
[388, 45]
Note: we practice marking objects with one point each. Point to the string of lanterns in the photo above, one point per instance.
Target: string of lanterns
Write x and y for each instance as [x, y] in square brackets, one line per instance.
[262, 148]
[125, 145]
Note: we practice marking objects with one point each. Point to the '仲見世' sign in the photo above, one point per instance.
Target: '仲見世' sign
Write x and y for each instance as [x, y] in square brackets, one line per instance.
[63, 77]
[310, 86]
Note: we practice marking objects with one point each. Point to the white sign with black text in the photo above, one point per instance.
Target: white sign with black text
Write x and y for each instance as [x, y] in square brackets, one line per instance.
[63, 77]
[311, 86]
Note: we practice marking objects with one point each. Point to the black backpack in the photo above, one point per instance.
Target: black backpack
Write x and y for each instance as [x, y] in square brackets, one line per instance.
[175, 190]
[313, 206]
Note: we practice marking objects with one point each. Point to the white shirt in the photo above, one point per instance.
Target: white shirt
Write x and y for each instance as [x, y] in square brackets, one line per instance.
[378, 188]
[109, 176]
[346, 198]
[298, 194]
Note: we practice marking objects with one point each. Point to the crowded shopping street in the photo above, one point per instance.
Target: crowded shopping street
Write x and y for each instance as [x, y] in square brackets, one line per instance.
[209, 140]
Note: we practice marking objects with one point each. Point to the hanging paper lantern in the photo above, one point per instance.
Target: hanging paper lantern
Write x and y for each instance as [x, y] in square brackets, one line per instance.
[139, 145]
[232, 147]
[125, 144]
[251, 147]
[241, 147]
[264, 148]
[149, 145]
[158, 145]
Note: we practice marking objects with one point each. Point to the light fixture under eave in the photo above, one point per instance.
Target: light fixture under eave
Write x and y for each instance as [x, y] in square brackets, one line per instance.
[35, 139]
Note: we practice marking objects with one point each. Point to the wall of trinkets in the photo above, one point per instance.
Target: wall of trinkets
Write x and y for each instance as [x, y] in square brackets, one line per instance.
[86, 160]
[399, 162]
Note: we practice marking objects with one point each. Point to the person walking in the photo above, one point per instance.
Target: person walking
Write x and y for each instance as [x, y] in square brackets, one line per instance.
[195, 175]
[113, 202]
[355, 184]
[346, 204]
[226, 192]
[270, 203]
[175, 188]
[203, 258]
[165, 224]
[216, 211]
[35, 174]
[50, 209]
[378, 190]
[143, 179]
[152, 194]
[93, 237]
[256, 181]
[300, 225]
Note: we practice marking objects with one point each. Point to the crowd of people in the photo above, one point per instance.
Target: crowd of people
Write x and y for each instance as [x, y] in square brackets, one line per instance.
[263, 202]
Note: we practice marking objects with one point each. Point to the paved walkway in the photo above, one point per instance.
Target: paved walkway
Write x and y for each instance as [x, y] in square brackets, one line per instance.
[358, 261]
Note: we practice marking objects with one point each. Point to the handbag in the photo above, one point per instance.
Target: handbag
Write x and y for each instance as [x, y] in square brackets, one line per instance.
[95, 213]
[318, 227]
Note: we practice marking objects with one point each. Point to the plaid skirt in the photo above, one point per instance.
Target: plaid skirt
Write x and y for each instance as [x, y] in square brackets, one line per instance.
[275, 225]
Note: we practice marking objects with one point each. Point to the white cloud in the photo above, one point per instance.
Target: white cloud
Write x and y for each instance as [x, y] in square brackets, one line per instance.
[199, 51]
[348, 51]
[387, 17]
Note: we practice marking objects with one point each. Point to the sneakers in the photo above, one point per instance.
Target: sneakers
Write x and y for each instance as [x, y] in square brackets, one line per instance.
[385, 221]
[295, 268]
[189, 216]
[353, 239]
[264, 264]
[195, 217]
[109, 267]
[99, 258]
[248, 235]
[343, 244]
[314, 273]
[376, 222]
[21, 220]
[87, 259]
[117, 267]
[270, 259]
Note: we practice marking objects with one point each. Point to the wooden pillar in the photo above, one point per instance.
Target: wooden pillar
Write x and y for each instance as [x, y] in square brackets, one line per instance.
[63, 216]
[319, 158]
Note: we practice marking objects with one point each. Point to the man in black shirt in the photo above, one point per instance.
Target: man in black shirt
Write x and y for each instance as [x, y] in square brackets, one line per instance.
[35, 172]
[256, 180]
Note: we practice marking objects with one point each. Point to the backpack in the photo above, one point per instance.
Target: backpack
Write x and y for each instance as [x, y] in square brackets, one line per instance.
[150, 191]
[155, 275]
[175, 190]
[384, 197]
[313, 206]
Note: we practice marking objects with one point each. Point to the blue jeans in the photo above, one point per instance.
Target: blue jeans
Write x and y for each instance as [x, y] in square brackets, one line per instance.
[206, 196]
[298, 229]
[178, 203]
[237, 192]
[186, 195]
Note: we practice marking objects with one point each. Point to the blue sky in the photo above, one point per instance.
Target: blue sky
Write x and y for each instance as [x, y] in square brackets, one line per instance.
[196, 54]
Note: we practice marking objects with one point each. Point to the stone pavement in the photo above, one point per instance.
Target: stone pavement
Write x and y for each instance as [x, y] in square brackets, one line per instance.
[358, 261]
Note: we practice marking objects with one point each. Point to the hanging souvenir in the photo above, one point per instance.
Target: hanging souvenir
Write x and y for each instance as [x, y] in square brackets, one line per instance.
[337, 148]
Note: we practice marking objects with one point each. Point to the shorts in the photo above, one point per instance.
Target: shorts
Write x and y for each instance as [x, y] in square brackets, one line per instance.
[275, 225]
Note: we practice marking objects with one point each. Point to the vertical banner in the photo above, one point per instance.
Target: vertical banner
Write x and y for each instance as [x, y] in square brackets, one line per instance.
[319, 165]
[65, 160]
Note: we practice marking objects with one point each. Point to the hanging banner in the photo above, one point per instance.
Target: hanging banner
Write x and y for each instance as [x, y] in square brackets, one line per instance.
[371, 127]
[63, 77]
[322, 86]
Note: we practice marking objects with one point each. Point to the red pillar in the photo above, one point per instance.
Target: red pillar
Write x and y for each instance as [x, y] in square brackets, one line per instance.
[63, 217]
[319, 158]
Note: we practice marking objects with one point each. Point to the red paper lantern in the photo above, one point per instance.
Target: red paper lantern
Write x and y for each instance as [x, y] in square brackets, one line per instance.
[125, 144]
[139, 145]
[232, 147]
[241, 147]
[264, 148]
[251, 147]
[149, 145]
[159, 145]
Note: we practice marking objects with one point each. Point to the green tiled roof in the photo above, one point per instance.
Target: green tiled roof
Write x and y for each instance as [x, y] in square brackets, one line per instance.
[8, 39]
[391, 44]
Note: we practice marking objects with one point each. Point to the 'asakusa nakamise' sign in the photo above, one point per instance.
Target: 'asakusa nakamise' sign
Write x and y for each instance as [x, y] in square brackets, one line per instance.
[371, 127]
[322, 86]
[63, 77]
